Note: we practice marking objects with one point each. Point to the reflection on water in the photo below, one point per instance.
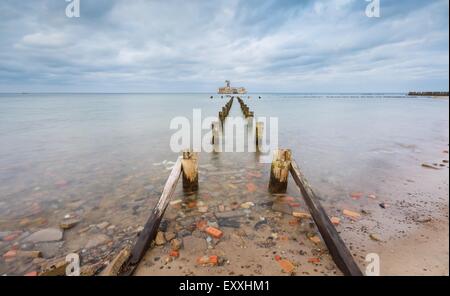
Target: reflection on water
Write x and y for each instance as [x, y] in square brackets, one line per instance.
[93, 156]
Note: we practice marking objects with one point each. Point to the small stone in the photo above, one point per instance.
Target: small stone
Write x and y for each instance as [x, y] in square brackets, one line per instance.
[169, 236]
[335, 220]
[183, 233]
[375, 237]
[301, 215]
[247, 205]
[46, 235]
[231, 214]
[69, 223]
[228, 223]
[102, 225]
[315, 239]
[160, 240]
[97, 240]
[384, 205]
[351, 214]
[176, 244]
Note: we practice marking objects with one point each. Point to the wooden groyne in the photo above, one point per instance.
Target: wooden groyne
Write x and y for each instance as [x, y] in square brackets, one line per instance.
[428, 94]
[282, 165]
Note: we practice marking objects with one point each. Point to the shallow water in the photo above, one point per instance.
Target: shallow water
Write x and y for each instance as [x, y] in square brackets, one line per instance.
[101, 150]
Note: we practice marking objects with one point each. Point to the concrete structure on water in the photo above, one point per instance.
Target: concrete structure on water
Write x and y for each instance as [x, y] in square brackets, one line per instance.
[228, 90]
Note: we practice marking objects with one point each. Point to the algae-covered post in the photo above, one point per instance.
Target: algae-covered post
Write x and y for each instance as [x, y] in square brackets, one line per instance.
[259, 133]
[189, 166]
[336, 246]
[148, 234]
[279, 171]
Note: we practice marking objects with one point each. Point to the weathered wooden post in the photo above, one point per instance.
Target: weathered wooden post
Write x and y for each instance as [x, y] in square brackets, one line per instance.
[336, 246]
[279, 170]
[259, 133]
[189, 167]
[215, 132]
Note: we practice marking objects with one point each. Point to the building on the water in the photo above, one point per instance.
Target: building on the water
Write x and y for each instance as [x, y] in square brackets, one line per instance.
[228, 89]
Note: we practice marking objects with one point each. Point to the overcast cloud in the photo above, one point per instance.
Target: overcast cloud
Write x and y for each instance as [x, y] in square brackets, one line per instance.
[193, 45]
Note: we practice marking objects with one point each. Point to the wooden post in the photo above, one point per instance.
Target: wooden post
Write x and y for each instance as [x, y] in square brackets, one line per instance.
[151, 227]
[279, 170]
[215, 132]
[259, 133]
[189, 167]
[337, 248]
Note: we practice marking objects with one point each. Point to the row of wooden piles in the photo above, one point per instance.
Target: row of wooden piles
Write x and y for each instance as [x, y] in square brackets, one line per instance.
[282, 166]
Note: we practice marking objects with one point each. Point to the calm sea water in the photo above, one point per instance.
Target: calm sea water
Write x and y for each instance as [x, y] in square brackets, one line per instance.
[90, 143]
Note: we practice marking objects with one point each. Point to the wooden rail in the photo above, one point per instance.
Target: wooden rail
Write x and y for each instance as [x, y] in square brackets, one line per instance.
[338, 250]
[151, 227]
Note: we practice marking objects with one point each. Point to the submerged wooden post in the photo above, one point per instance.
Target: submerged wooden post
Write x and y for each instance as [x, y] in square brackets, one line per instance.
[259, 133]
[189, 167]
[336, 246]
[279, 171]
[148, 234]
[215, 132]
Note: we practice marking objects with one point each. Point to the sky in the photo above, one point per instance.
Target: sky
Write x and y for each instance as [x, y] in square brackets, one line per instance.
[195, 45]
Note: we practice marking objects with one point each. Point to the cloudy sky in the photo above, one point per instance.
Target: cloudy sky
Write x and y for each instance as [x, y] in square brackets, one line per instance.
[194, 45]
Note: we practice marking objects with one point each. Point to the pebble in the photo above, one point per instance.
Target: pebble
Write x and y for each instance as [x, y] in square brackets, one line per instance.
[247, 205]
[97, 240]
[69, 223]
[375, 237]
[102, 225]
[46, 235]
[176, 244]
[160, 240]
[169, 236]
